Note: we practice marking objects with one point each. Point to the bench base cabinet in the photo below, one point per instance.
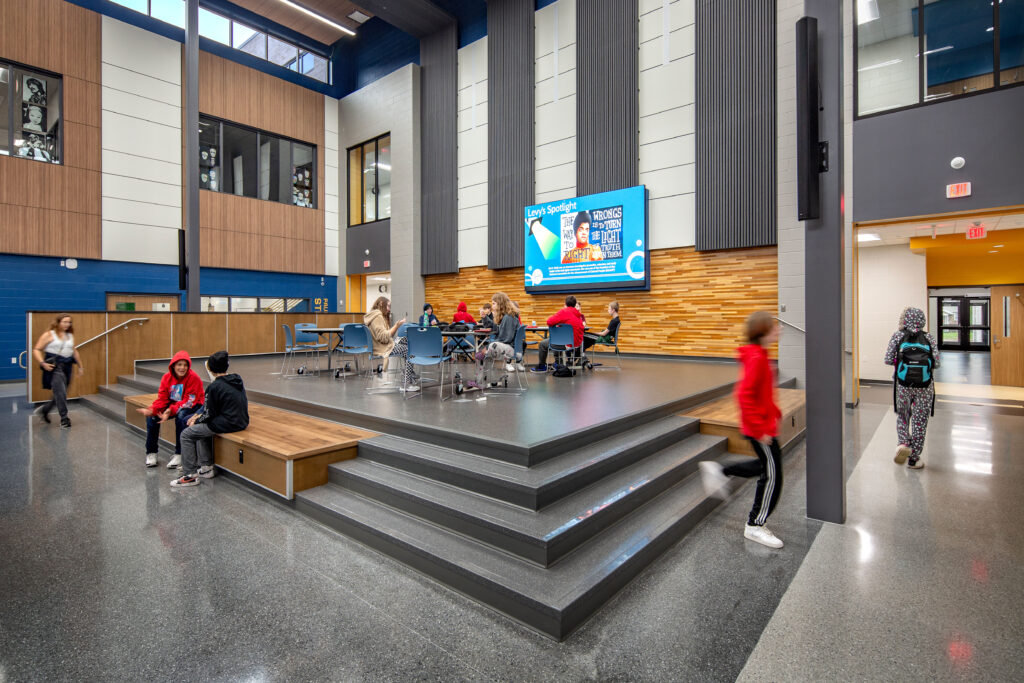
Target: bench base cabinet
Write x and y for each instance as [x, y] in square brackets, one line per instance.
[283, 477]
[721, 418]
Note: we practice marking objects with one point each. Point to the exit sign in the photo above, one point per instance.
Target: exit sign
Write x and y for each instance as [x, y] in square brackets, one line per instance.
[976, 232]
[958, 190]
[366, 264]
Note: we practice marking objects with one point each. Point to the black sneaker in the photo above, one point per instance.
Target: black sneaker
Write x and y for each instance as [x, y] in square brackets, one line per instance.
[539, 368]
[65, 422]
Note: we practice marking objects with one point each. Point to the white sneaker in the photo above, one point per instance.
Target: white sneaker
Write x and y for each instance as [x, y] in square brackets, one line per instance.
[762, 535]
[902, 453]
[509, 367]
[411, 388]
[151, 460]
[175, 462]
[205, 472]
[520, 367]
[713, 478]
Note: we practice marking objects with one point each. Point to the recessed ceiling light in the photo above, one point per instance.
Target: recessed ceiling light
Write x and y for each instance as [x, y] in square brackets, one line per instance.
[996, 246]
[358, 16]
[318, 17]
[993, 251]
[868, 237]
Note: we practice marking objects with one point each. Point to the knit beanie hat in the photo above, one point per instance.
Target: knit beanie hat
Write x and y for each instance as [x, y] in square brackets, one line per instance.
[218, 362]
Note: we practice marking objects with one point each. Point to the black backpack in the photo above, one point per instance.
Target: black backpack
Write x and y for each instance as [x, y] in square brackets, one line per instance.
[914, 360]
[563, 371]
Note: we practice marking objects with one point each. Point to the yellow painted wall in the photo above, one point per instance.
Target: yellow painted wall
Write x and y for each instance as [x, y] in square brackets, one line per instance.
[955, 261]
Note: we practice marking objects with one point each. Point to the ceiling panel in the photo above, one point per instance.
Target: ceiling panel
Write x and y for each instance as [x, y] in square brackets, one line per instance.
[335, 10]
[902, 232]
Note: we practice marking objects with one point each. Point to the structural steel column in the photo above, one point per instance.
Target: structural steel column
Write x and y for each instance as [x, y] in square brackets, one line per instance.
[191, 132]
[824, 268]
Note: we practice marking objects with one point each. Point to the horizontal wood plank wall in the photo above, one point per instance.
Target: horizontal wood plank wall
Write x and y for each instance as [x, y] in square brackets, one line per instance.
[51, 209]
[696, 307]
[254, 234]
[93, 355]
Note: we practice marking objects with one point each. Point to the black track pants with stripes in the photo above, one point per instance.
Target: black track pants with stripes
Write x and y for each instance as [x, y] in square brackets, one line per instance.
[768, 470]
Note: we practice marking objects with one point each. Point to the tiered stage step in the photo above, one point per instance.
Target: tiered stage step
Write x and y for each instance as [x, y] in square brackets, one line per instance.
[722, 418]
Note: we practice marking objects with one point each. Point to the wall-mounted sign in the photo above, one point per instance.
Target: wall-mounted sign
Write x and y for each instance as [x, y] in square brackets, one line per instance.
[976, 232]
[321, 305]
[366, 263]
[958, 190]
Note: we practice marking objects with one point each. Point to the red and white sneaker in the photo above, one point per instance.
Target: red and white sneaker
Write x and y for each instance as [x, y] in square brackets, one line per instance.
[185, 480]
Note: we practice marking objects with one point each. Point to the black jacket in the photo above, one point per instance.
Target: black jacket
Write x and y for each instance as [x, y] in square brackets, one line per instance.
[227, 409]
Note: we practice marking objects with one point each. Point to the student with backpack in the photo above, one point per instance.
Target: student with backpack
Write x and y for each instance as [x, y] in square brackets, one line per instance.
[914, 355]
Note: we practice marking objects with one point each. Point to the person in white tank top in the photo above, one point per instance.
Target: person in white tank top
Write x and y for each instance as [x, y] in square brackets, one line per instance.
[55, 353]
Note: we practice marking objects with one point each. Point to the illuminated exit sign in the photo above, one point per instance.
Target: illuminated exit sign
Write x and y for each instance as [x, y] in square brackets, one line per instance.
[976, 232]
[958, 190]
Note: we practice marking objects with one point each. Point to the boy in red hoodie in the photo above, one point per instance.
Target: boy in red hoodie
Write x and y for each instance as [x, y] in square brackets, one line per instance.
[759, 418]
[180, 395]
[462, 315]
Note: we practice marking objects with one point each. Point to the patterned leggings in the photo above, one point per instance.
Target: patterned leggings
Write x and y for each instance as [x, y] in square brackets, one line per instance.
[401, 350]
[913, 406]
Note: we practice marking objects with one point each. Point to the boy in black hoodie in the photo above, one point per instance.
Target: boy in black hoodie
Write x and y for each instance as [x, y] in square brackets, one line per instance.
[226, 410]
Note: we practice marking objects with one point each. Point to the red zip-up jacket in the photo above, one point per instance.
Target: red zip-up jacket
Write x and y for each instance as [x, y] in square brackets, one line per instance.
[755, 393]
[570, 316]
[178, 394]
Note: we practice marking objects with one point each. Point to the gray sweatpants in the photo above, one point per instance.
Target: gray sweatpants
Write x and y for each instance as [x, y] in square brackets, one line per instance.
[196, 448]
[59, 387]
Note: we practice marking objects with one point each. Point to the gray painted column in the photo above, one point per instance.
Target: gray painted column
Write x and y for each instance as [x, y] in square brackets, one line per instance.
[825, 292]
[193, 300]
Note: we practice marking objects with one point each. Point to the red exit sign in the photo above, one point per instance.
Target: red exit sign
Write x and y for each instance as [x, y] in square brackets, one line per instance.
[976, 232]
[958, 190]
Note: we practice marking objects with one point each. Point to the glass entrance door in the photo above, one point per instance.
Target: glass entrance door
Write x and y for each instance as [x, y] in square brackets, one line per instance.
[965, 324]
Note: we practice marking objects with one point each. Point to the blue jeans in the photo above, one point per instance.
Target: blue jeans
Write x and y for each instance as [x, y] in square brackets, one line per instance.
[153, 429]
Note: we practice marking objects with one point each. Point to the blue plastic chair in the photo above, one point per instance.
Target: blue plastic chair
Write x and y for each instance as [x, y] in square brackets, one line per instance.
[355, 342]
[309, 342]
[501, 378]
[426, 349]
[291, 348]
[560, 338]
[615, 351]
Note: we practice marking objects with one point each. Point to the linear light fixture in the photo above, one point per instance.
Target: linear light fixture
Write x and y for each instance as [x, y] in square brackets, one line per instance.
[868, 237]
[938, 49]
[873, 66]
[318, 17]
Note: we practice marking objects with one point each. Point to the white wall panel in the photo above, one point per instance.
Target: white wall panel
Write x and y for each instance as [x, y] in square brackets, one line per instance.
[472, 141]
[141, 144]
[889, 279]
[332, 186]
[472, 241]
[555, 101]
[667, 127]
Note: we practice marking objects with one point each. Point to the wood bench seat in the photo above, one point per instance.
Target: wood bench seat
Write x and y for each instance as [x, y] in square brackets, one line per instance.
[281, 451]
[722, 418]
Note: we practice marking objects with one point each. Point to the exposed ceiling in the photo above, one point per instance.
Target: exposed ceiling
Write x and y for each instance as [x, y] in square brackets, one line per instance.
[901, 233]
[337, 11]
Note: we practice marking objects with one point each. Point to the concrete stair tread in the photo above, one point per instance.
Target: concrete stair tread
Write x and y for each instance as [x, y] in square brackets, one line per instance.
[542, 474]
[539, 527]
[105, 405]
[117, 391]
[553, 600]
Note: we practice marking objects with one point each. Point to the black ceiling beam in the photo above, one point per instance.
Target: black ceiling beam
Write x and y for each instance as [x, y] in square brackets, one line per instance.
[419, 18]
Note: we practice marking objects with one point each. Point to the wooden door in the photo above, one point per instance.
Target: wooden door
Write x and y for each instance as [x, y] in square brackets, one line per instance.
[1007, 306]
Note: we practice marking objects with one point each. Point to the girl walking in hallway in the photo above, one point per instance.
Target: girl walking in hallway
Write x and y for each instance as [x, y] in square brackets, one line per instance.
[914, 355]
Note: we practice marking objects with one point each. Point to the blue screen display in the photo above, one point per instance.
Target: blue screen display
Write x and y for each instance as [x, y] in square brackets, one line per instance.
[597, 242]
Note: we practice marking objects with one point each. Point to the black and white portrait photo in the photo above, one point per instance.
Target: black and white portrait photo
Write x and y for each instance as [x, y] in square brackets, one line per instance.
[35, 147]
[33, 117]
[34, 91]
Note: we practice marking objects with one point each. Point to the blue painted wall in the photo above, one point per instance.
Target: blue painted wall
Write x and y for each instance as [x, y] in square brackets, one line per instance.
[41, 283]
[378, 49]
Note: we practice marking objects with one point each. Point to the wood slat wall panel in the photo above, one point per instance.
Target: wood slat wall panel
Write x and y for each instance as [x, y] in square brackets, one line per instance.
[696, 307]
[62, 201]
[253, 234]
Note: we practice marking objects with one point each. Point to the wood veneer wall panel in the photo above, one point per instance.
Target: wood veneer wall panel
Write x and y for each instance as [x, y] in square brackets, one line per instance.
[253, 234]
[200, 333]
[251, 333]
[63, 38]
[696, 307]
[151, 339]
[93, 355]
[337, 319]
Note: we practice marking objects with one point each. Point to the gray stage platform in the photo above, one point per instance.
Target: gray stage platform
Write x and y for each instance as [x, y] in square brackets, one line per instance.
[540, 506]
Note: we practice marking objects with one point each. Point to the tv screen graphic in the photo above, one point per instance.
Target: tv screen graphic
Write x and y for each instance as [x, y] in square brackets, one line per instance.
[593, 243]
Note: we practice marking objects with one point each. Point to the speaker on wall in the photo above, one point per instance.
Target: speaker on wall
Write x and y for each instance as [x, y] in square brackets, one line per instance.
[808, 158]
[182, 270]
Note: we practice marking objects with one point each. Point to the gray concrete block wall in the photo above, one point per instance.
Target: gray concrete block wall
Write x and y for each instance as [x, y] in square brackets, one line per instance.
[391, 104]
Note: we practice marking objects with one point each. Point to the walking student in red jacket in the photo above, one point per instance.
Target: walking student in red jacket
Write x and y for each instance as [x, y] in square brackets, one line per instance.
[180, 395]
[759, 419]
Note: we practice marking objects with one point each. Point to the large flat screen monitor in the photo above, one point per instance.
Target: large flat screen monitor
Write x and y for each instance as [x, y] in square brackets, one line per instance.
[592, 243]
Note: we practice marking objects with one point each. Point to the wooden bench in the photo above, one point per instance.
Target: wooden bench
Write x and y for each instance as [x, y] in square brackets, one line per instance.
[281, 451]
[722, 418]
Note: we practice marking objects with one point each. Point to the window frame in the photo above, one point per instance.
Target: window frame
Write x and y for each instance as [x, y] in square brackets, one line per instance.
[922, 84]
[259, 302]
[259, 134]
[362, 179]
[11, 66]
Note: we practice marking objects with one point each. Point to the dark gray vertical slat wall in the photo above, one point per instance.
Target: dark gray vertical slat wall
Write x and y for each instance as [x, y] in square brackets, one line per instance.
[510, 109]
[735, 111]
[607, 95]
[439, 149]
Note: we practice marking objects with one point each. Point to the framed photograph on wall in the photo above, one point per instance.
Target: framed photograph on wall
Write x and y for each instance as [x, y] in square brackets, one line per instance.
[33, 117]
[34, 90]
[35, 146]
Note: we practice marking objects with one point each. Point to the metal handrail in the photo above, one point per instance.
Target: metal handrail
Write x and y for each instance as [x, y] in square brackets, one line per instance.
[786, 322]
[21, 363]
[116, 327]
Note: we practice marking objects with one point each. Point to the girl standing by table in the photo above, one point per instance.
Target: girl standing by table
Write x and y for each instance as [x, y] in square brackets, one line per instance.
[55, 353]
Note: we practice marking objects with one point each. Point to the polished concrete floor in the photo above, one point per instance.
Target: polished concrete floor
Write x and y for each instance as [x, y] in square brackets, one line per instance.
[965, 367]
[109, 574]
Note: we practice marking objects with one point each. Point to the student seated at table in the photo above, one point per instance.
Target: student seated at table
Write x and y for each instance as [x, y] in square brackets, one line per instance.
[462, 315]
[607, 335]
[486, 318]
[378, 321]
[503, 346]
[570, 315]
[428, 318]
